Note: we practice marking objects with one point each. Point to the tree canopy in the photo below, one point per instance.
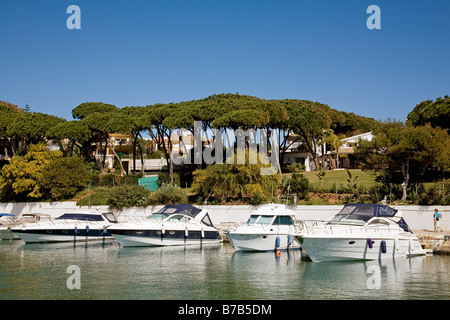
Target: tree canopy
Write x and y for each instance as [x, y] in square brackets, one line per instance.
[436, 113]
[408, 149]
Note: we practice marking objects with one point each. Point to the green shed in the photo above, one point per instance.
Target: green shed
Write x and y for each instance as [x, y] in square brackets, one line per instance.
[150, 183]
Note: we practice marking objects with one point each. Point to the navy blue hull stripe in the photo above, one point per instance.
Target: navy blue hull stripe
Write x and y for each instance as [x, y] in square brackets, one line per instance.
[169, 234]
[69, 232]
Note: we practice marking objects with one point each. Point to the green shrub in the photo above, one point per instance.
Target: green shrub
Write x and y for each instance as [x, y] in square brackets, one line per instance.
[295, 167]
[64, 177]
[256, 199]
[163, 178]
[299, 184]
[168, 194]
[127, 196]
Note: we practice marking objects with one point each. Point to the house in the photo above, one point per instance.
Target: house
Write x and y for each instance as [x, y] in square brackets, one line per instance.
[122, 144]
[298, 153]
[344, 158]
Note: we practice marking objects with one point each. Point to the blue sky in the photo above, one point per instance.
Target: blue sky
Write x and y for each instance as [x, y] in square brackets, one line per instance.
[144, 52]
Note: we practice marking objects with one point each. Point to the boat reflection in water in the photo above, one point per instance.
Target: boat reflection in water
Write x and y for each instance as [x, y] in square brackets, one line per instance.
[360, 232]
[173, 225]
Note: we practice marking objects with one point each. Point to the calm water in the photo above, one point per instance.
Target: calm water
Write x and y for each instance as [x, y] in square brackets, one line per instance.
[39, 271]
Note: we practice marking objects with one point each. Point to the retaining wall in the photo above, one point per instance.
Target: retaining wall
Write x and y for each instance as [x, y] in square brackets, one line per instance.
[417, 217]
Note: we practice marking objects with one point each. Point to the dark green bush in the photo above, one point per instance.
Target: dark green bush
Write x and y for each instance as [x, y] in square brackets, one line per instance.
[63, 177]
[168, 194]
[300, 185]
[127, 196]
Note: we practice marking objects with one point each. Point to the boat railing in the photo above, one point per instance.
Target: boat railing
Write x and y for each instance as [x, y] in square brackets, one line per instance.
[76, 221]
[38, 222]
[308, 225]
[347, 228]
[134, 219]
[226, 225]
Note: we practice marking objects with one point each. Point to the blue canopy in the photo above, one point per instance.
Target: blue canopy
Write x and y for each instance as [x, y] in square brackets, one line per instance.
[184, 208]
[81, 216]
[7, 215]
[374, 210]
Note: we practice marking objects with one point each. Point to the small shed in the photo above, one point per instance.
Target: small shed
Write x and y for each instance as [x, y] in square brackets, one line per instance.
[150, 183]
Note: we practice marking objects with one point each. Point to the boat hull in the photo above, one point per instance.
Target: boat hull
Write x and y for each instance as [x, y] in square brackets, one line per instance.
[62, 235]
[156, 238]
[6, 234]
[352, 248]
[261, 242]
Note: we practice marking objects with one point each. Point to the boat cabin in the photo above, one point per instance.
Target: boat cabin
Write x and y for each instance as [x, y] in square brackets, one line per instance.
[182, 213]
[359, 214]
[270, 220]
[89, 216]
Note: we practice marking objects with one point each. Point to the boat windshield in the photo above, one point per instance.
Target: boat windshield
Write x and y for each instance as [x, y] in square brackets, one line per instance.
[255, 219]
[157, 216]
[265, 219]
[366, 210]
[81, 216]
[110, 217]
[283, 220]
[252, 219]
[179, 217]
[349, 219]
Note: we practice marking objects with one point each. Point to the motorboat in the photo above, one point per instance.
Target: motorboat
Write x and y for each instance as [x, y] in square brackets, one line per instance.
[7, 220]
[71, 226]
[10, 221]
[360, 232]
[172, 225]
[270, 227]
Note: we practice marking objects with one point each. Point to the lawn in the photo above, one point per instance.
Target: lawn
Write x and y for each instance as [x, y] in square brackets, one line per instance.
[333, 178]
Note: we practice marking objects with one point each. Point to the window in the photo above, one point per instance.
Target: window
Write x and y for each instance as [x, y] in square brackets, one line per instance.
[350, 219]
[167, 210]
[252, 219]
[265, 219]
[364, 210]
[157, 216]
[110, 217]
[346, 210]
[379, 222]
[84, 217]
[387, 211]
[283, 220]
[206, 220]
[179, 217]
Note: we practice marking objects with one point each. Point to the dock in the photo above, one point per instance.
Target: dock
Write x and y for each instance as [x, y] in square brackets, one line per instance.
[437, 242]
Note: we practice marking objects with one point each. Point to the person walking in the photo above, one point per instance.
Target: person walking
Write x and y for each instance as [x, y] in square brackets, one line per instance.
[436, 221]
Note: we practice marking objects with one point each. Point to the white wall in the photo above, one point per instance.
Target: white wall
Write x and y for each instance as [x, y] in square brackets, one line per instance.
[417, 217]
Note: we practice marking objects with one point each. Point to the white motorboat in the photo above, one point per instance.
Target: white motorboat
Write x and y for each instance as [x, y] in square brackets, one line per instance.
[10, 221]
[7, 220]
[71, 226]
[173, 225]
[360, 232]
[270, 227]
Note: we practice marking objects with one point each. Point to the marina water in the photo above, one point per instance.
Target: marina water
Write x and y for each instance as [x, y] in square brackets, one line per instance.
[109, 271]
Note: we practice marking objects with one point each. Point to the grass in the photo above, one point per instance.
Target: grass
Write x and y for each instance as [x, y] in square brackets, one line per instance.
[98, 196]
[320, 195]
[339, 177]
